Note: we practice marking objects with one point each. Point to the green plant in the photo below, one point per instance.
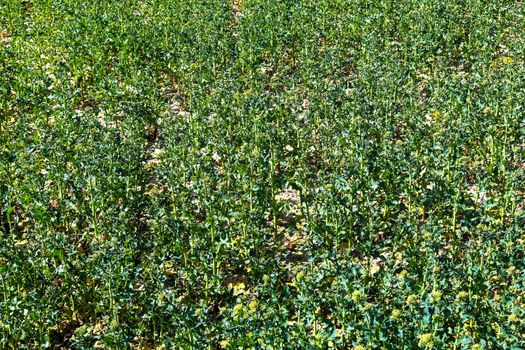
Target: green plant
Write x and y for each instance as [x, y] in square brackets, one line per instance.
[261, 174]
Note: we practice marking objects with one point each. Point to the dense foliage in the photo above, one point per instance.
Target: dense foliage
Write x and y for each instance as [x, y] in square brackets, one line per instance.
[256, 174]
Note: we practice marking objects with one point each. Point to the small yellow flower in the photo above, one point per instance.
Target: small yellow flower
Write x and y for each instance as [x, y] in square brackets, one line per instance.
[237, 309]
[395, 314]
[436, 296]
[238, 288]
[425, 340]
[411, 299]
[507, 60]
[253, 305]
[359, 347]
[461, 296]
[357, 295]
[223, 344]
[475, 347]
[512, 318]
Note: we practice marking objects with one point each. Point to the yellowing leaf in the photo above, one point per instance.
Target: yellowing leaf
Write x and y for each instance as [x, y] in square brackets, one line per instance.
[21, 243]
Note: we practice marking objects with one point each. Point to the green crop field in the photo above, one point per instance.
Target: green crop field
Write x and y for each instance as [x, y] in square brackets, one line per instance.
[262, 174]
